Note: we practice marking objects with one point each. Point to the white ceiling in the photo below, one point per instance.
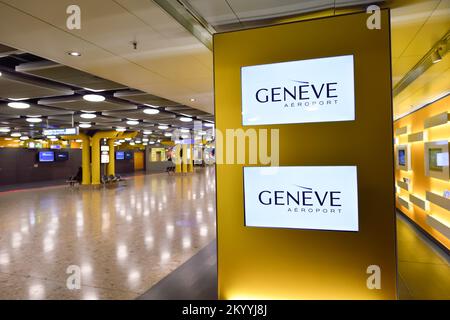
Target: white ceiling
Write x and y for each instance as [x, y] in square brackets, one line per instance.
[220, 12]
[169, 61]
[173, 64]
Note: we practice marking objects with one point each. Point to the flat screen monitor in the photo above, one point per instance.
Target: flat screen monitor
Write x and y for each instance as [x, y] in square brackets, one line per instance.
[401, 157]
[128, 155]
[46, 156]
[120, 155]
[314, 90]
[303, 197]
[61, 156]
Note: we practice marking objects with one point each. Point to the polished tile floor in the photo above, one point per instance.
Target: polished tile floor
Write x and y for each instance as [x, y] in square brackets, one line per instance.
[123, 240]
[126, 239]
[423, 267]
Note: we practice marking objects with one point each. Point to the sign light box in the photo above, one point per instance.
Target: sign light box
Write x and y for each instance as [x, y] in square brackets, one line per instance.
[314, 90]
[60, 132]
[309, 197]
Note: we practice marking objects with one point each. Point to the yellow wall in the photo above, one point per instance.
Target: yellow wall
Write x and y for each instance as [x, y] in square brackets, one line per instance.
[138, 160]
[270, 263]
[420, 182]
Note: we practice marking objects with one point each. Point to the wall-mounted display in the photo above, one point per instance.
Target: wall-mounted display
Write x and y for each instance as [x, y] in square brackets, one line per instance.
[46, 156]
[61, 156]
[437, 159]
[403, 157]
[313, 90]
[310, 197]
[120, 155]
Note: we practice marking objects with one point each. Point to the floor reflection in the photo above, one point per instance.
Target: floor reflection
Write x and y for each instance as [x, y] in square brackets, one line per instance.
[123, 239]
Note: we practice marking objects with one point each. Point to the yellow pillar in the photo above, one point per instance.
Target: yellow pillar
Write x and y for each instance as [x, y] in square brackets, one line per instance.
[85, 155]
[111, 168]
[191, 159]
[96, 152]
[177, 158]
[184, 164]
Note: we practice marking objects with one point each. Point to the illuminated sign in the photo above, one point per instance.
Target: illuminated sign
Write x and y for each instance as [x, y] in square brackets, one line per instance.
[310, 197]
[60, 132]
[315, 90]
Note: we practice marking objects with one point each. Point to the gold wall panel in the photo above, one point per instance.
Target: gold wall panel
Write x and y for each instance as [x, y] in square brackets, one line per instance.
[266, 263]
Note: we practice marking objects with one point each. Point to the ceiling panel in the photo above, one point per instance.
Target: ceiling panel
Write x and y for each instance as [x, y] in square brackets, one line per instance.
[140, 115]
[67, 75]
[140, 97]
[77, 103]
[109, 27]
[14, 87]
[33, 110]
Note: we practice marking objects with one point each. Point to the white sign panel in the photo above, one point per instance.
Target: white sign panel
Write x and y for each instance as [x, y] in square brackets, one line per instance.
[60, 132]
[315, 90]
[310, 197]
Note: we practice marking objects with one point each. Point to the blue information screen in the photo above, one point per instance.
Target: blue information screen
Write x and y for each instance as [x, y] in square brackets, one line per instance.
[46, 156]
[120, 155]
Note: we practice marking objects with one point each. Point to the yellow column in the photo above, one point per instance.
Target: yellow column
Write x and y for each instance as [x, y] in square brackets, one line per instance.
[177, 158]
[111, 169]
[184, 164]
[191, 159]
[96, 152]
[85, 156]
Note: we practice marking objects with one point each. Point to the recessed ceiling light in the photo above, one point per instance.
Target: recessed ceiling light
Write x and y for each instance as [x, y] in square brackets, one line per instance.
[151, 111]
[147, 132]
[127, 139]
[145, 139]
[24, 138]
[5, 129]
[185, 119]
[167, 134]
[74, 53]
[132, 122]
[192, 100]
[54, 139]
[159, 140]
[163, 127]
[93, 97]
[16, 134]
[33, 120]
[132, 143]
[0, 74]
[184, 130]
[84, 125]
[51, 137]
[145, 143]
[208, 124]
[88, 115]
[121, 129]
[79, 140]
[18, 105]
[152, 142]
[8, 139]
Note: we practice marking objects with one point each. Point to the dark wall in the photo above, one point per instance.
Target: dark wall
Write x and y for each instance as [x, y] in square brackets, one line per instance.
[19, 165]
[125, 166]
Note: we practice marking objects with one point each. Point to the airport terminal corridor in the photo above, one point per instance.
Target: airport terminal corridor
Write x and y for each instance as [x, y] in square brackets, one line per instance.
[125, 239]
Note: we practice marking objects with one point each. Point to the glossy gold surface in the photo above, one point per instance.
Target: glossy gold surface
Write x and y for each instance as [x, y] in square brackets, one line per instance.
[124, 239]
[270, 263]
